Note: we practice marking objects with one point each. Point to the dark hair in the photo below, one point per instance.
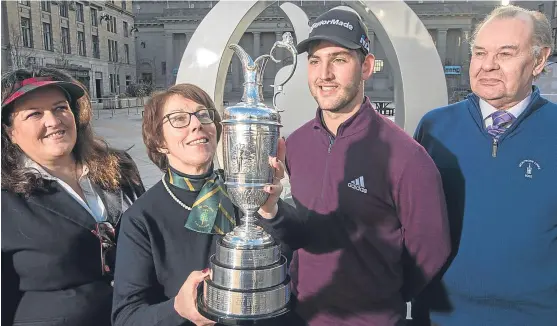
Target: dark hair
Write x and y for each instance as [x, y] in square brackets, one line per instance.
[106, 165]
[153, 115]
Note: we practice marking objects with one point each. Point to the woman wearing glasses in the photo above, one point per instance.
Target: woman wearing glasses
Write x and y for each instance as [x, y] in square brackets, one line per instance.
[169, 234]
[63, 192]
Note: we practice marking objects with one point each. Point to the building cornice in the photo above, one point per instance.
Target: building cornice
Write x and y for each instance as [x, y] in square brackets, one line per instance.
[184, 19]
[119, 9]
[447, 14]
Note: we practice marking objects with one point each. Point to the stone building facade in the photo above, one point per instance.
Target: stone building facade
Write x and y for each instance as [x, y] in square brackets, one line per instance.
[92, 40]
[165, 28]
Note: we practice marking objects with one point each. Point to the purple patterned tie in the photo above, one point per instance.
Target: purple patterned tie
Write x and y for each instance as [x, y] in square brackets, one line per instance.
[501, 121]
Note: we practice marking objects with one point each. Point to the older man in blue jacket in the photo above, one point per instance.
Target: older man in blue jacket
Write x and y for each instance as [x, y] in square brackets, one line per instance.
[497, 154]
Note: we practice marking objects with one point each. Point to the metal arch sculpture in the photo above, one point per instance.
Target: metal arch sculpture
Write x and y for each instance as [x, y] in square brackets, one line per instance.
[296, 100]
[420, 84]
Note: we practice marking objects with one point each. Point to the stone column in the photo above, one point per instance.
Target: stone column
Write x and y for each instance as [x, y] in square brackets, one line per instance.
[236, 74]
[465, 47]
[256, 44]
[278, 56]
[168, 36]
[372, 42]
[188, 37]
[465, 56]
[442, 44]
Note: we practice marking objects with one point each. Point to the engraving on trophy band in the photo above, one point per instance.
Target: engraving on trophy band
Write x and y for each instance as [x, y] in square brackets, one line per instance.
[235, 258]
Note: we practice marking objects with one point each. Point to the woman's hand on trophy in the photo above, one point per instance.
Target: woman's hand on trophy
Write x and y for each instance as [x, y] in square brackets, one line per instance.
[270, 208]
[185, 301]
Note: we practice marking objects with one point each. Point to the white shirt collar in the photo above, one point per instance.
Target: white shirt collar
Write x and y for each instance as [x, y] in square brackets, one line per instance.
[92, 201]
[487, 109]
[30, 164]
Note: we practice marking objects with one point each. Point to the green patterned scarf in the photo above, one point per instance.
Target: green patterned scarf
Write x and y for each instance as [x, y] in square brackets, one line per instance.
[212, 211]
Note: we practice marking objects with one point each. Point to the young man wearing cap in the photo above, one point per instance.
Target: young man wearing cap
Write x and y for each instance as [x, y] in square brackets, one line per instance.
[370, 220]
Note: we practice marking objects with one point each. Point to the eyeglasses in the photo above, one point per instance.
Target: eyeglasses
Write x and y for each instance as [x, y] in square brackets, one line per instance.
[107, 236]
[183, 119]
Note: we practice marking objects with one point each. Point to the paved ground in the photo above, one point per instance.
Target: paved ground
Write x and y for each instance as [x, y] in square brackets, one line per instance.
[122, 132]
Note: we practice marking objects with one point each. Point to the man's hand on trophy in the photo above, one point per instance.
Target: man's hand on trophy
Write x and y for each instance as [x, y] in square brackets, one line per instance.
[185, 301]
[270, 208]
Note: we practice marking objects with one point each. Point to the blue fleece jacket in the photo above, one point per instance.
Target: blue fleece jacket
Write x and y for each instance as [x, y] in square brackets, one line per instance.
[502, 202]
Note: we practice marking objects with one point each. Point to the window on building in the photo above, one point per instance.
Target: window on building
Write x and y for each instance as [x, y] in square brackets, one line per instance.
[96, 49]
[112, 24]
[114, 30]
[63, 5]
[128, 80]
[147, 77]
[124, 5]
[555, 10]
[112, 51]
[94, 21]
[45, 5]
[378, 67]
[127, 53]
[81, 44]
[26, 37]
[47, 36]
[112, 81]
[79, 12]
[163, 68]
[541, 8]
[25, 3]
[125, 27]
[109, 24]
[65, 36]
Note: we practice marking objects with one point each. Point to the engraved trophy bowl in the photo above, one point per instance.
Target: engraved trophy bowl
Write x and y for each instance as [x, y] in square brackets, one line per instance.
[249, 282]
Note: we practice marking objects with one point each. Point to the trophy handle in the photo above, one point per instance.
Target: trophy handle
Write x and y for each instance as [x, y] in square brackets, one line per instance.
[288, 44]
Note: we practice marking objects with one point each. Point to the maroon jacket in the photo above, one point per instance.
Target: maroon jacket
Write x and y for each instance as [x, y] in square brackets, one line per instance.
[370, 220]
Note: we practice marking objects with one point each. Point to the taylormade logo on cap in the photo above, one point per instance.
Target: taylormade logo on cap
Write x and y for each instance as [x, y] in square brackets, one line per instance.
[331, 22]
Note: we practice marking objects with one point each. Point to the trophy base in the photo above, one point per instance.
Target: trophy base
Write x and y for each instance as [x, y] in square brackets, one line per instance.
[232, 320]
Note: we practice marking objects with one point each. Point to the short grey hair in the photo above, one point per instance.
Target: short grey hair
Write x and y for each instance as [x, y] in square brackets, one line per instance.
[541, 36]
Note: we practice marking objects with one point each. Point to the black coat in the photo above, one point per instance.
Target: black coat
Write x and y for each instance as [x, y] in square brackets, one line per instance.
[156, 254]
[51, 260]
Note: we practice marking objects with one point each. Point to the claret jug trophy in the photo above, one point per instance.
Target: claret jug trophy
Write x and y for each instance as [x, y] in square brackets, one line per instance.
[249, 280]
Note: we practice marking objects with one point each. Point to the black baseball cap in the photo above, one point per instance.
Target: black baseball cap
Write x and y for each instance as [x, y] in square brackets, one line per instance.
[339, 26]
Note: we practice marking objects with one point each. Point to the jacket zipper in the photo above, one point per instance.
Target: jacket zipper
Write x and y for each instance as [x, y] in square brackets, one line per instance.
[496, 142]
[331, 141]
[494, 148]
